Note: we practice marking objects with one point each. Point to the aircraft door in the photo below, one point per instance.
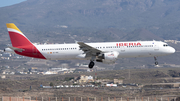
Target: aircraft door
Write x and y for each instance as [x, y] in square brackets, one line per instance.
[122, 49]
[156, 46]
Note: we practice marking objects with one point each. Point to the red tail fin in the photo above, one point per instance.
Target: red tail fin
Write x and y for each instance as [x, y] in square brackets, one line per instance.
[21, 44]
[16, 36]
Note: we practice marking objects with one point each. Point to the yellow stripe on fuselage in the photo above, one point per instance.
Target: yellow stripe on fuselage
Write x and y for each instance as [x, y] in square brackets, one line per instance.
[12, 26]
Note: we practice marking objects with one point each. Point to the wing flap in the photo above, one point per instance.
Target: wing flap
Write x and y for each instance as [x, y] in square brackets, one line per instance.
[89, 49]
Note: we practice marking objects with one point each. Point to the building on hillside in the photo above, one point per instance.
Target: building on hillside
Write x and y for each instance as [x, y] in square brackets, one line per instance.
[172, 41]
[85, 79]
[62, 70]
[3, 76]
[104, 81]
[111, 85]
[50, 72]
[118, 81]
[33, 69]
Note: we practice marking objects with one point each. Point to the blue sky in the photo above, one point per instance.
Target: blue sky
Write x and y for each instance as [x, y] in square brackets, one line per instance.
[4, 3]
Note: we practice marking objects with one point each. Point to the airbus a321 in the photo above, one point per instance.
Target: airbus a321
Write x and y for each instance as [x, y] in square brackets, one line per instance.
[105, 52]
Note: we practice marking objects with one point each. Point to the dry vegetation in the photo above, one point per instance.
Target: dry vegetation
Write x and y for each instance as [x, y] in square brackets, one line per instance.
[19, 85]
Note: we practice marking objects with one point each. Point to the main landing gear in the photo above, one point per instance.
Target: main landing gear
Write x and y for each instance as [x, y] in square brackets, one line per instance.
[156, 62]
[91, 64]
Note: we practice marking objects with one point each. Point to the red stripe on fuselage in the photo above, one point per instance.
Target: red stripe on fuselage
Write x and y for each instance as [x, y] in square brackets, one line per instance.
[30, 51]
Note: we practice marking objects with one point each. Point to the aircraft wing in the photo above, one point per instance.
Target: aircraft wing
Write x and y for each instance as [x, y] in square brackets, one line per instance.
[89, 50]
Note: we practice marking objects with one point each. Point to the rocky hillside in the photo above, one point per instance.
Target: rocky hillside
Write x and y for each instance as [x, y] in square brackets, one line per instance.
[93, 20]
[154, 15]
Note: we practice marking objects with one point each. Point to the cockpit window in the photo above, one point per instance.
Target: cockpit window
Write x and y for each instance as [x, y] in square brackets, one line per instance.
[165, 45]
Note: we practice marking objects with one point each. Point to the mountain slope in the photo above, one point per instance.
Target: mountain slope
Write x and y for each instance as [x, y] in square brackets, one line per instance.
[142, 34]
[92, 13]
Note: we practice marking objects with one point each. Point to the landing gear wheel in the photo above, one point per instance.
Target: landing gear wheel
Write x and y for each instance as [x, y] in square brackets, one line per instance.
[156, 63]
[91, 64]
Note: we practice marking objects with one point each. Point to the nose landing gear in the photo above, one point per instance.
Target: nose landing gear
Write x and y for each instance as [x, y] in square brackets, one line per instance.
[156, 62]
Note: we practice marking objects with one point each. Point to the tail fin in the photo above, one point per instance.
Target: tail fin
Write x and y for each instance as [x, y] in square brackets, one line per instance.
[16, 36]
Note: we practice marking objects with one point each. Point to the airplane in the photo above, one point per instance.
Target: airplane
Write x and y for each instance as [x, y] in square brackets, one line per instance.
[105, 52]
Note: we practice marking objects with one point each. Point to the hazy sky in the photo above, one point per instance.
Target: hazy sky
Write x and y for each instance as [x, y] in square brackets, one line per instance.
[4, 3]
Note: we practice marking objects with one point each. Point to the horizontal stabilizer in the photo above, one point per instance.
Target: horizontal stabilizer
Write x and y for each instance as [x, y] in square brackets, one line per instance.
[16, 49]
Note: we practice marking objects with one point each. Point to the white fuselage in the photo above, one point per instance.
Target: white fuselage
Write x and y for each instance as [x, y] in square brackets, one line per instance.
[125, 49]
[105, 52]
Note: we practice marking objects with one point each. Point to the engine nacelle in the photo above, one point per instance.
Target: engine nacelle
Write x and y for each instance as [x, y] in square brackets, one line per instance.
[109, 57]
[9, 50]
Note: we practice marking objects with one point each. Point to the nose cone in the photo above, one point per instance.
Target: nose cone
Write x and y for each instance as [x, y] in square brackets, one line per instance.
[171, 50]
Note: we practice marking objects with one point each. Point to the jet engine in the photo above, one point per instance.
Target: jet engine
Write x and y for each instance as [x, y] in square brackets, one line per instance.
[109, 57]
